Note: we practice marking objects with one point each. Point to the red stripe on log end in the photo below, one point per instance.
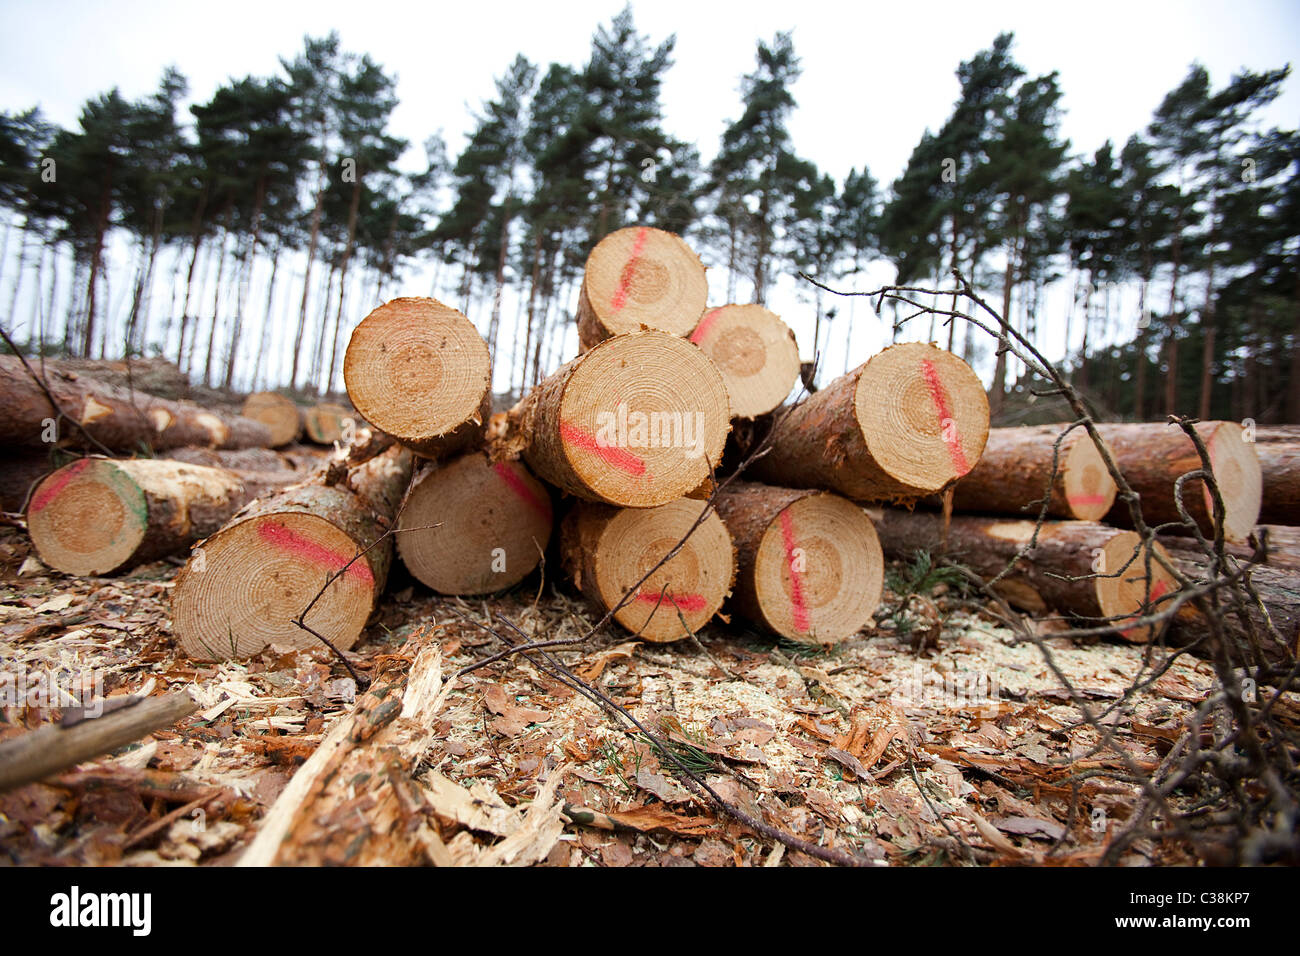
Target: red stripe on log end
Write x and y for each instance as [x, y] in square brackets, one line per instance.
[797, 602]
[50, 490]
[520, 487]
[625, 279]
[296, 544]
[950, 436]
[611, 455]
[706, 323]
[684, 602]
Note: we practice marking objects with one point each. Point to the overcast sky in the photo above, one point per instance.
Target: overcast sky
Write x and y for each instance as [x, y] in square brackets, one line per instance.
[875, 75]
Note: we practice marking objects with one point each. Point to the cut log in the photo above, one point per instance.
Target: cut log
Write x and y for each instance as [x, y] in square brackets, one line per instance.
[1283, 547]
[419, 370]
[98, 516]
[241, 590]
[637, 278]
[607, 550]
[1266, 434]
[1278, 590]
[242, 459]
[327, 423]
[118, 419]
[1153, 456]
[755, 352]
[809, 565]
[476, 527]
[1015, 470]
[635, 422]
[1112, 584]
[1279, 464]
[903, 425]
[277, 413]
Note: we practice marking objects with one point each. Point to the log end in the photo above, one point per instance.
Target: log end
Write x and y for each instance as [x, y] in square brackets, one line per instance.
[693, 584]
[241, 589]
[755, 352]
[278, 413]
[88, 517]
[818, 570]
[474, 527]
[641, 277]
[1088, 489]
[641, 419]
[924, 416]
[1123, 595]
[418, 370]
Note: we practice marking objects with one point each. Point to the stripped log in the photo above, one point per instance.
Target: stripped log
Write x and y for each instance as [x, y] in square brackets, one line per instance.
[755, 352]
[118, 419]
[1107, 570]
[903, 425]
[104, 727]
[1279, 464]
[472, 527]
[607, 550]
[809, 564]
[1015, 472]
[638, 278]
[277, 413]
[365, 762]
[1152, 457]
[419, 370]
[635, 422]
[241, 590]
[100, 516]
[326, 423]
[1278, 588]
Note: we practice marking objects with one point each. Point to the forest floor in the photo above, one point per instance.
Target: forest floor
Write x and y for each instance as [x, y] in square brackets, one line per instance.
[875, 747]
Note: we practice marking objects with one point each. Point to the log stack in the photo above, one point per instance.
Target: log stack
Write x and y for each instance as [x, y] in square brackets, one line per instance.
[619, 455]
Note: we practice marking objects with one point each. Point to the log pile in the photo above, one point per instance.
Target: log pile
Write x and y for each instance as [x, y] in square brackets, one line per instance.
[620, 466]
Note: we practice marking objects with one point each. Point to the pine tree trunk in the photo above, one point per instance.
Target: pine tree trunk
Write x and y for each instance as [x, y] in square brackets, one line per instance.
[306, 279]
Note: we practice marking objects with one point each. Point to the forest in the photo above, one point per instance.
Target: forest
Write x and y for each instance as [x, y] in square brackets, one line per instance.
[1178, 243]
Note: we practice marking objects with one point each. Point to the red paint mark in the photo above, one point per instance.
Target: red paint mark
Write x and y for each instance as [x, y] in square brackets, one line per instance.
[520, 487]
[1157, 592]
[685, 602]
[629, 270]
[617, 457]
[50, 489]
[950, 436]
[282, 537]
[801, 618]
[706, 323]
[1086, 499]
